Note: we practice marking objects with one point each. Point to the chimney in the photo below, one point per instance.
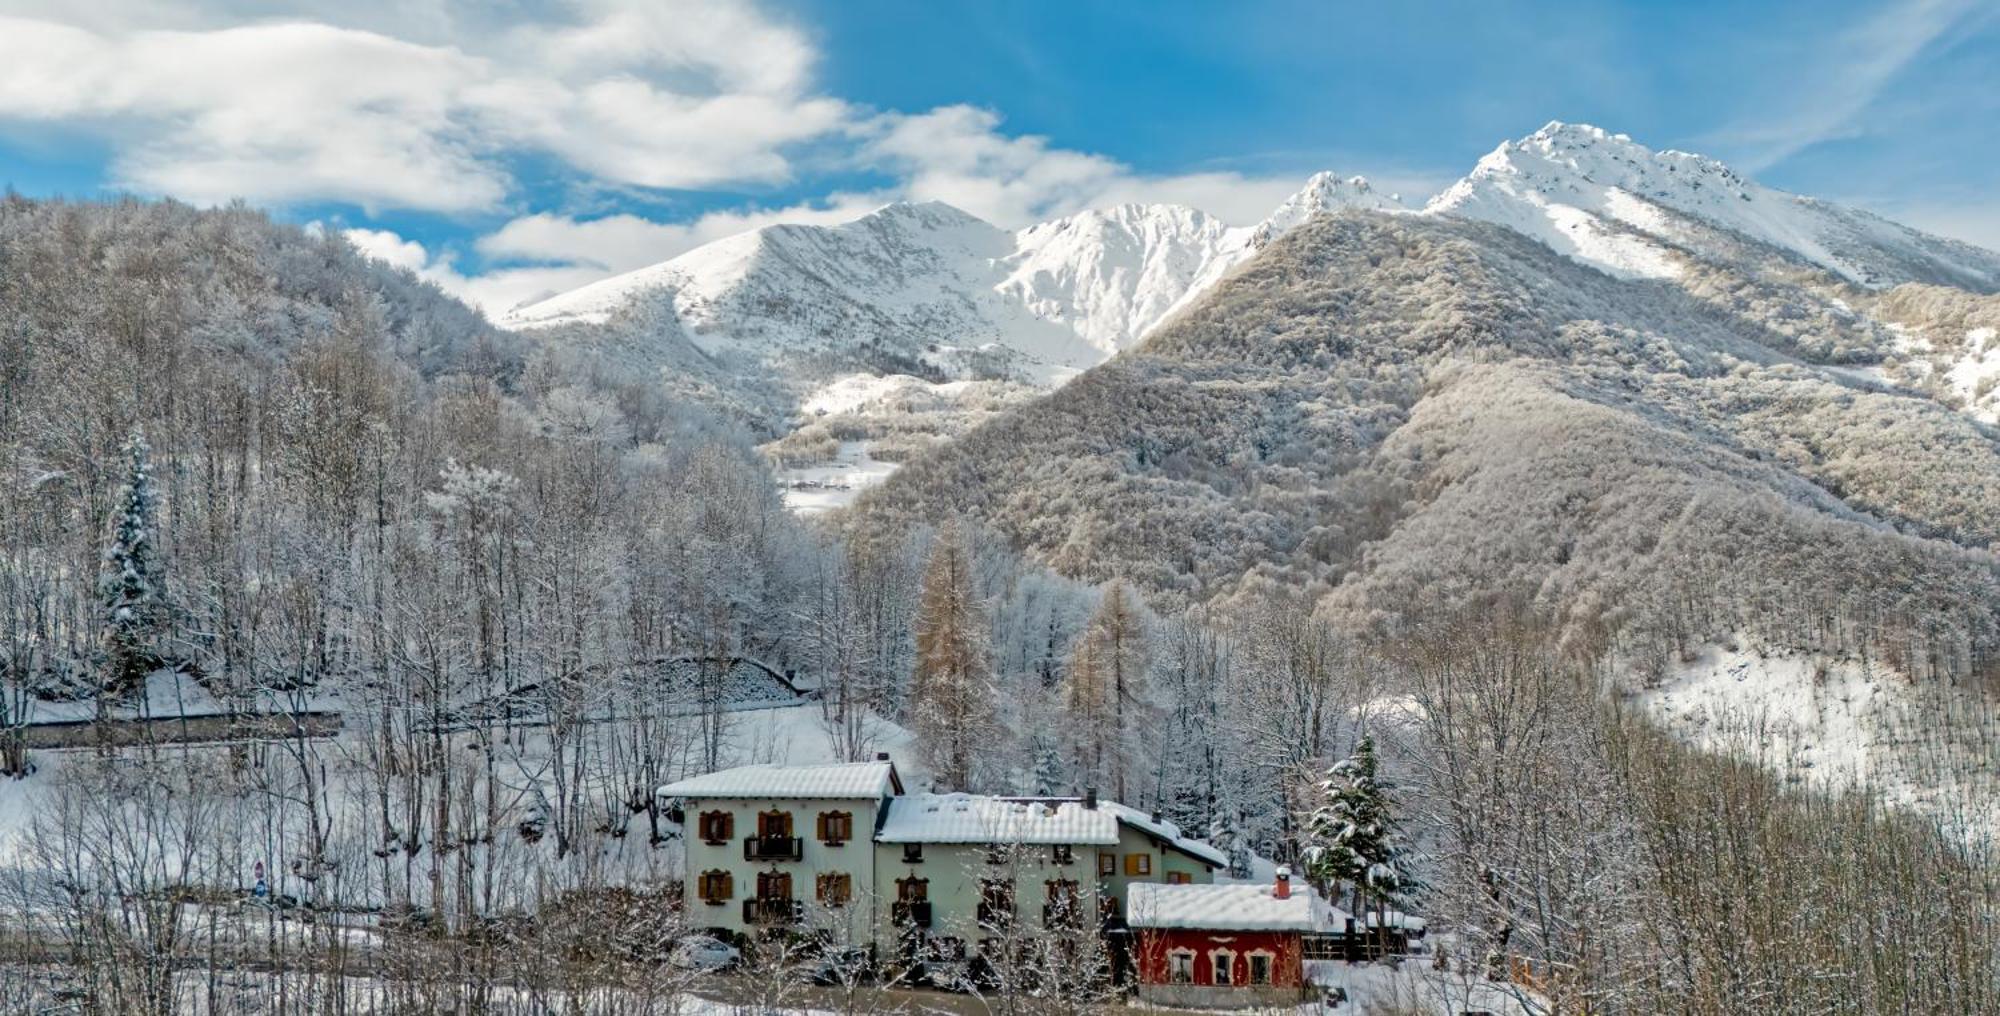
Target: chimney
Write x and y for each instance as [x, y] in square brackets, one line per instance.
[881, 756]
[1157, 816]
[1090, 798]
[1283, 890]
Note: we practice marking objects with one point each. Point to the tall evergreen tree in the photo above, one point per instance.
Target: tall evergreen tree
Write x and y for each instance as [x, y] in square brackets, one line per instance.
[131, 585]
[1352, 834]
[952, 694]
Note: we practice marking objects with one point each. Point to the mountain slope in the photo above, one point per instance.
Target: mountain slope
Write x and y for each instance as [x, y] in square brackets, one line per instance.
[1415, 413]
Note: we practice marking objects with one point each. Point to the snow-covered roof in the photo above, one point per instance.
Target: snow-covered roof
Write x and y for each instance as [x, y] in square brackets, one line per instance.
[845, 781]
[1167, 832]
[976, 818]
[1229, 907]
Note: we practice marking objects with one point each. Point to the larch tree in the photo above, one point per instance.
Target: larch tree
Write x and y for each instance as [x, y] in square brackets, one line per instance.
[952, 707]
[1106, 685]
[130, 587]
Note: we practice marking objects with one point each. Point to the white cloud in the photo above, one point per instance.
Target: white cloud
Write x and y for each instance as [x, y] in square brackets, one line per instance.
[958, 155]
[619, 243]
[1829, 94]
[674, 94]
[384, 245]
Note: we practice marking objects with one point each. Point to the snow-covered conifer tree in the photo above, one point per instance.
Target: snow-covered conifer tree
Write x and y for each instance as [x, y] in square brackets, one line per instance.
[131, 584]
[1353, 836]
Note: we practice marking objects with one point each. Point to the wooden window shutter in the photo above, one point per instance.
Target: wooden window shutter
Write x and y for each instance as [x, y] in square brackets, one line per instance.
[1138, 864]
[728, 889]
[820, 832]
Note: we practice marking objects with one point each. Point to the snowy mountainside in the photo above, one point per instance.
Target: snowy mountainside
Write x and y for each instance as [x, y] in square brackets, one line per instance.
[926, 281]
[1610, 202]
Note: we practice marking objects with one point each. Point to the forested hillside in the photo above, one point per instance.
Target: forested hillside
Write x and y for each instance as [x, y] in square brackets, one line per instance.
[1395, 413]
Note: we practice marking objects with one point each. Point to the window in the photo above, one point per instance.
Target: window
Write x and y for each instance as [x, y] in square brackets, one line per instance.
[714, 887]
[1138, 864]
[836, 827]
[913, 890]
[1062, 853]
[774, 824]
[999, 853]
[1260, 968]
[1223, 962]
[1107, 863]
[774, 885]
[1065, 906]
[913, 853]
[996, 902]
[1180, 966]
[717, 826]
[834, 888]
[1179, 878]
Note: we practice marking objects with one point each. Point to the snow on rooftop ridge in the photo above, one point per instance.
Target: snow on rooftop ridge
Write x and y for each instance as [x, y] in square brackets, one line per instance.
[842, 781]
[1167, 831]
[980, 818]
[1230, 907]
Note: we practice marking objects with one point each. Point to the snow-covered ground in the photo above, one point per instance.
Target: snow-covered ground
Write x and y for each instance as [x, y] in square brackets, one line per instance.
[1839, 723]
[1414, 986]
[821, 487]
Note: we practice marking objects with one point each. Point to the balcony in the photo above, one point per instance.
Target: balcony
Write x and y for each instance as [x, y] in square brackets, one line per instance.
[773, 848]
[912, 913]
[762, 911]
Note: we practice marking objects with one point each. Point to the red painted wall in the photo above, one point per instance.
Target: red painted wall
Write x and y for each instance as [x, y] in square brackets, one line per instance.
[1287, 963]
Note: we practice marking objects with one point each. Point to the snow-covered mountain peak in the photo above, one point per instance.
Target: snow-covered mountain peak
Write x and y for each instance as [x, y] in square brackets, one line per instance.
[1611, 202]
[1325, 192]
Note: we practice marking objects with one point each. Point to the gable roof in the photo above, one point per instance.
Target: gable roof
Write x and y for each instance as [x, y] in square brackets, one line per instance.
[977, 818]
[1167, 833]
[841, 781]
[1229, 907]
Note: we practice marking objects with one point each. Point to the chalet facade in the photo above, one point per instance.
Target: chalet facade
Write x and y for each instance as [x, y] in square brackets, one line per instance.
[1226, 946]
[842, 852]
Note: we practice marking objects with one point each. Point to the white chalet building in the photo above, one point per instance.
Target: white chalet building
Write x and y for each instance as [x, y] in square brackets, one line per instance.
[841, 851]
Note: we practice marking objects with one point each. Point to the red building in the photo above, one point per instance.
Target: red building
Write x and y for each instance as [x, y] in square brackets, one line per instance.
[1225, 946]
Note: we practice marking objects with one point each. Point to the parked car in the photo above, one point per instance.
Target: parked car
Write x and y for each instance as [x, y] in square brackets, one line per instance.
[841, 967]
[705, 952]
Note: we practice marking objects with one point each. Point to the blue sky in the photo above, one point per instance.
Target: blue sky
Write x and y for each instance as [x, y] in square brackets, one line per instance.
[515, 148]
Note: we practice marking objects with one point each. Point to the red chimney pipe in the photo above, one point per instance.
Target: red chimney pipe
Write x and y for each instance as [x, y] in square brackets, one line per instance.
[1283, 890]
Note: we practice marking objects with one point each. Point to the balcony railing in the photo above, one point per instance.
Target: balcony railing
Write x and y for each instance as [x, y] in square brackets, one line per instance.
[772, 911]
[773, 848]
[915, 913]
